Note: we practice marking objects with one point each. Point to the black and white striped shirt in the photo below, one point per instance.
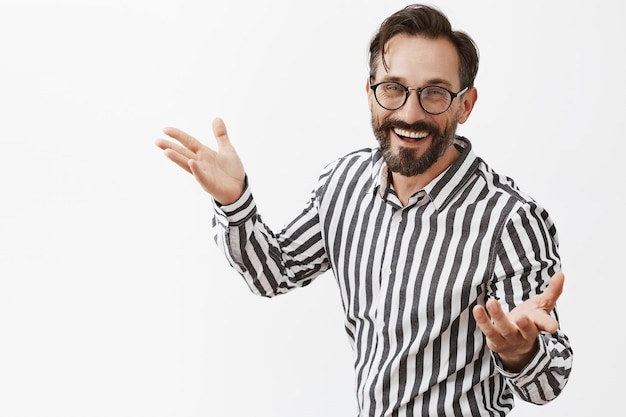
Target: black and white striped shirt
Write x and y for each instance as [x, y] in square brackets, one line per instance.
[409, 277]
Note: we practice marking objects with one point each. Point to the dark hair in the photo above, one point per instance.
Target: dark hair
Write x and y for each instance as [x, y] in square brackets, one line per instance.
[418, 19]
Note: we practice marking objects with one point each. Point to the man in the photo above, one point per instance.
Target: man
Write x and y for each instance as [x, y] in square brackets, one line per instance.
[448, 273]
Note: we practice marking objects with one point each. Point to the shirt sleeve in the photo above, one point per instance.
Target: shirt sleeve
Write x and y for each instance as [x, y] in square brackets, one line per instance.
[527, 257]
[271, 263]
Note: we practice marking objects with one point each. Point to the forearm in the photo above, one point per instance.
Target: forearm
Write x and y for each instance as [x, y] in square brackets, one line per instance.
[271, 264]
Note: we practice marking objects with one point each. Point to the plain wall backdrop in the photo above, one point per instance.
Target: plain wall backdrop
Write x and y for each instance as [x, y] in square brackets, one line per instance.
[114, 300]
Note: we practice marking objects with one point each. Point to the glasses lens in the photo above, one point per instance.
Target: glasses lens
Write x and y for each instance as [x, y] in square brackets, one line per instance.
[390, 95]
[435, 99]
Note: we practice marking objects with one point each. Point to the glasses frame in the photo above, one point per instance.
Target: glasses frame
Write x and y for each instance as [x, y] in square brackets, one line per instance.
[407, 92]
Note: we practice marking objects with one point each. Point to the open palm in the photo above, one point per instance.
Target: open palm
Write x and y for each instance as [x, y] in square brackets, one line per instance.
[220, 173]
[514, 336]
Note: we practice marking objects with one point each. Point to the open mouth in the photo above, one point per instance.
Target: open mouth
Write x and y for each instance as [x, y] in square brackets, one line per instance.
[410, 135]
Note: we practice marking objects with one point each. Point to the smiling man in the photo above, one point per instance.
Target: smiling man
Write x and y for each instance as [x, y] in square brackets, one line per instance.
[449, 274]
[416, 135]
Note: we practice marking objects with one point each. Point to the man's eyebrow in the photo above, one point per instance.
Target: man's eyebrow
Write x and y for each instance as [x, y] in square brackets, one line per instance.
[440, 81]
[396, 79]
[432, 81]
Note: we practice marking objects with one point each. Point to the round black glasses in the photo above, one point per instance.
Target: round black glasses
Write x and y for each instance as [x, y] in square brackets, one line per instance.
[392, 95]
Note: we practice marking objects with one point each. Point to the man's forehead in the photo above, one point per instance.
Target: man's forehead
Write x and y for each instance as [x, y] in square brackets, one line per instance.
[406, 57]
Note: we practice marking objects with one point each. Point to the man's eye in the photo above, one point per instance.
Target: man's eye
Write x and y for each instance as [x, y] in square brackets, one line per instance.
[393, 88]
[435, 92]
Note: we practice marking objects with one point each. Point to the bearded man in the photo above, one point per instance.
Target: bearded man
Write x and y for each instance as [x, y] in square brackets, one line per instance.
[448, 273]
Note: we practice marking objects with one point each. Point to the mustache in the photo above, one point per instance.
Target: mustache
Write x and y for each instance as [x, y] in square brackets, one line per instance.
[420, 125]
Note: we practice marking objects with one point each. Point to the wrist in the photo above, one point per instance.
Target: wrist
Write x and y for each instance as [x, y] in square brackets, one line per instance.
[515, 362]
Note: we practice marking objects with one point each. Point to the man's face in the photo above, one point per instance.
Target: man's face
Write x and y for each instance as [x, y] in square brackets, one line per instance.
[411, 139]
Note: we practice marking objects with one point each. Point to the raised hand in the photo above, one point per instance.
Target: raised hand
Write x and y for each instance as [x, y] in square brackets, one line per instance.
[514, 337]
[220, 173]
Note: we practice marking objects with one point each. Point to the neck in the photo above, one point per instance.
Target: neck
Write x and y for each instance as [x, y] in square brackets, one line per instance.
[405, 187]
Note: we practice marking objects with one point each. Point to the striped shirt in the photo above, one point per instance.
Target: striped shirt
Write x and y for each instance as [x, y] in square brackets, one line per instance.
[409, 277]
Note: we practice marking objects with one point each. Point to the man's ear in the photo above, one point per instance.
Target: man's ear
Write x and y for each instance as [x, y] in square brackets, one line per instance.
[367, 86]
[370, 93]
[468, 99]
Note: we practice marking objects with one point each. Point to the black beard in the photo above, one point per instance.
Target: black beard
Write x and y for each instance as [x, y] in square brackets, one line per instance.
[406, 163]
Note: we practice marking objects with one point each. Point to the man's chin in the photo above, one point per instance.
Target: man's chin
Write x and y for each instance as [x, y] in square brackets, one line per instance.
[405, 163]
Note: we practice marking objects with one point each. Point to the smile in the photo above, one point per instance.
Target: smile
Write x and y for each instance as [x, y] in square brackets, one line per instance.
[409, 134]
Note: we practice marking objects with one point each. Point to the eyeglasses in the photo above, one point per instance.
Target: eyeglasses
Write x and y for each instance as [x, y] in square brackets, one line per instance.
[392, 95]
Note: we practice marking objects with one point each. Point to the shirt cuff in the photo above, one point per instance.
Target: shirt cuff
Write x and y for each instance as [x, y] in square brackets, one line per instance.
[237, 212]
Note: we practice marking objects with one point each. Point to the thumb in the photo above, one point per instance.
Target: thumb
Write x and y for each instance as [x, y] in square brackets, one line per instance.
[221, 134]
[553, 291]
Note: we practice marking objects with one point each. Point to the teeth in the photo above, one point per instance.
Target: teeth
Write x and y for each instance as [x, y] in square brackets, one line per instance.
[410, 134]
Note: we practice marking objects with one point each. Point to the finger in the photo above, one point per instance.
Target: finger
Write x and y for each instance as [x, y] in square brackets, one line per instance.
[176, 153]
[165, 145]
[221, 135]
[527, 328]
[547, 300]
[178, 159]
[552, 292]
[187, 140]
[500, 320]
[481, 315]
[543, 321]
[495, 311]
[484, 322]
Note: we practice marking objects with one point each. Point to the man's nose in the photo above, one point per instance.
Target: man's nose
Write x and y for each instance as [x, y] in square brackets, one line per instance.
[412, 110]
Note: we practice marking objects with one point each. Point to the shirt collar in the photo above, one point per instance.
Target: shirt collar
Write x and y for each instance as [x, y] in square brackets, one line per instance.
[444, 187]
